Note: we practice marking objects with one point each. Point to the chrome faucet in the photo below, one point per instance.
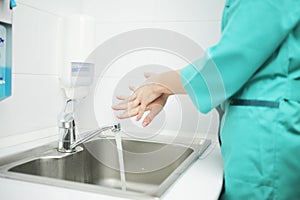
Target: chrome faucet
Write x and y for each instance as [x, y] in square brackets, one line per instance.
[89, 135]
[67, 139]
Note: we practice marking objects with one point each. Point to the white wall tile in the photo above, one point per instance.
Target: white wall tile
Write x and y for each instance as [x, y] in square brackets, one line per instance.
[204, 33]
[58, 7]
[178, 10]
[132, 65]
[150, 10]
[35, 41]
[119, 10]
[34, 104]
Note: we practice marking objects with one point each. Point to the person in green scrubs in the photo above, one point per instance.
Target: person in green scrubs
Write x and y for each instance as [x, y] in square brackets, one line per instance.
[254, 73]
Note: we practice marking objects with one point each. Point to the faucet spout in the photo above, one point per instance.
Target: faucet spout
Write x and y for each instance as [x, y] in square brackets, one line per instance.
[90, 135]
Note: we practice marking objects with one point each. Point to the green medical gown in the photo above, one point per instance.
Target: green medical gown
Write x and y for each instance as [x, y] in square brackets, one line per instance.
[254, 72]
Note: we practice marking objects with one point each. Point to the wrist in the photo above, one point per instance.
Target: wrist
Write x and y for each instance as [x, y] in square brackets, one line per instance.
[169, 82]
[163, 89]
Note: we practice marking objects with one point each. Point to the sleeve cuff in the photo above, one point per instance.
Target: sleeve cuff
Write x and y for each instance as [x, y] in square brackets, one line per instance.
[196, 87]
[203, 81]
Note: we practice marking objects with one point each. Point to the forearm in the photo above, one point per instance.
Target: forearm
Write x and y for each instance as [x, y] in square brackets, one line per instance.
[168, 83]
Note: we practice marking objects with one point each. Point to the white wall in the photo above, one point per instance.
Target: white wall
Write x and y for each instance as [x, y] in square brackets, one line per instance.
[37, 98]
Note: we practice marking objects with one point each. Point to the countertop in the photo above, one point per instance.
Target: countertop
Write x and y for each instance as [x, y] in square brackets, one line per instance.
[202, 180]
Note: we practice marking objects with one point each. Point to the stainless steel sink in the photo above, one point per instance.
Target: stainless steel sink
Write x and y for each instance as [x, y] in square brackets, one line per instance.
[150, 166]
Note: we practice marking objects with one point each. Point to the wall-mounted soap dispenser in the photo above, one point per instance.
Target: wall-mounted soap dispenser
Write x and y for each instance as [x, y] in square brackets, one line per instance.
[5, 47]
[76, 74]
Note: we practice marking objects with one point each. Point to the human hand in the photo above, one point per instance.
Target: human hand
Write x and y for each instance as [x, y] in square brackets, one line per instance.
[154, 109]
[148, 97]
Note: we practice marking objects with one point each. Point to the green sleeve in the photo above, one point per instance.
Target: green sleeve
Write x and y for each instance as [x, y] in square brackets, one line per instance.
[253, 31]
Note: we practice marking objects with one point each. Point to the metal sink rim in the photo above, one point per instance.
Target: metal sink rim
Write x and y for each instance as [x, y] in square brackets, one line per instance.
[50, 151]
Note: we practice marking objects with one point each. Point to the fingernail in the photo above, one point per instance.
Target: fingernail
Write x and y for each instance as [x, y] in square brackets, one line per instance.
[145, 124]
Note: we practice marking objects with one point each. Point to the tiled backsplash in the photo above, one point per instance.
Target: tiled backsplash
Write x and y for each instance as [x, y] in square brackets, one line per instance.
[37, 98]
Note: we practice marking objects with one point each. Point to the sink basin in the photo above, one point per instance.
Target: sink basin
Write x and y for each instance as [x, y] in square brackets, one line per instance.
[150, 166]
